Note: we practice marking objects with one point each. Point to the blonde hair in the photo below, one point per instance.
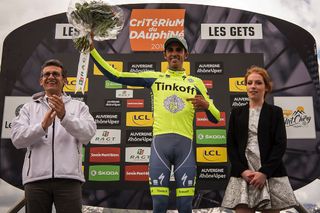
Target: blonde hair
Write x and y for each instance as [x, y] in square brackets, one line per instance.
[264, 74]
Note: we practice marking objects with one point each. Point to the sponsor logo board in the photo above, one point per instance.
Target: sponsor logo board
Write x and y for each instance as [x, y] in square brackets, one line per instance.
[139, 119]
[209, 68]
[212, 154]
[104, 173]
[107, 118]
[298, 113]
[106, 137]
[237, 85]
[65, 31]
[149, 28]
[12, 106]
[136, 173]
[112, 85]
[104, 154]
[208, 83]
[231, 31]
[113, 103]
[211, 136]
[135, 103]
[212, 173]
[238, 100]
[139, 136]
[202, 120]
[124, 93]
[118, 65]
[137, 67]
[71, 85]
[137, 154]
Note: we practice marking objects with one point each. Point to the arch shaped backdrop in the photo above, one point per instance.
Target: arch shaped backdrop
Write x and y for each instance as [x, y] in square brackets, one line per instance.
[223, 43]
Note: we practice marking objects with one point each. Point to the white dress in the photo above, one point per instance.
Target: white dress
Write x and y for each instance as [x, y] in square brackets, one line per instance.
[277, 194]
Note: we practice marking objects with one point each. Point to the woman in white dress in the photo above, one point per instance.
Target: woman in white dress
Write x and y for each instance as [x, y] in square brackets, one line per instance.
[256, 143]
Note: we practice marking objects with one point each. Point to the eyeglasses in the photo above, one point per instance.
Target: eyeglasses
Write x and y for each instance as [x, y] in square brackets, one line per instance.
[55, 74]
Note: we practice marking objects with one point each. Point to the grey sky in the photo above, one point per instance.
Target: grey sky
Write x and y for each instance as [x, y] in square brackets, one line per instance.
[305, 13]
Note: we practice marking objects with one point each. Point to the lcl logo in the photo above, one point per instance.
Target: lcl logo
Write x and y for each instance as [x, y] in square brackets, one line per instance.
[139, 119]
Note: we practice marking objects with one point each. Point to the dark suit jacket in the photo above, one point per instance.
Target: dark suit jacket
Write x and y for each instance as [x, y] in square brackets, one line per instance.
[271, 138]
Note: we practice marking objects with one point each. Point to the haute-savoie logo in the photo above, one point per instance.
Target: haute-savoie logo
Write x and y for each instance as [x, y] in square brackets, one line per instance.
[298, 114]
[296, 118]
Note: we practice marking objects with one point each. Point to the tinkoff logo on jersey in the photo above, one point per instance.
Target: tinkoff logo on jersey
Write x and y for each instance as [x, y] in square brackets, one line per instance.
[139, 119]
[212, 154]
[161, 86]
[237, 85]
[71, 85]
[174, 104]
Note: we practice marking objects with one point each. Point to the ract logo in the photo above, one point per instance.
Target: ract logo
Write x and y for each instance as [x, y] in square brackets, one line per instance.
[237, 85]
[124, 93]
[137, 154]
[139, 119]
[107, 136]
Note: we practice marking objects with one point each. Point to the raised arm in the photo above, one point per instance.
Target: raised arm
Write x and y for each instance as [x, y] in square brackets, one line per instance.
[143, 79]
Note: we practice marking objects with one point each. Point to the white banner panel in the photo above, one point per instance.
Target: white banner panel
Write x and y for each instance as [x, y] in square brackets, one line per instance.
[298, 116]
[12, 106]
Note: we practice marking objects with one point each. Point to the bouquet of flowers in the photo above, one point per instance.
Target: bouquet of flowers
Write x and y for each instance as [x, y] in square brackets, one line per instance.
[103, 20]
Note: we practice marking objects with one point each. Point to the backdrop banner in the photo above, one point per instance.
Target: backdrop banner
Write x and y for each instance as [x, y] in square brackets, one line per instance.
[223, 43]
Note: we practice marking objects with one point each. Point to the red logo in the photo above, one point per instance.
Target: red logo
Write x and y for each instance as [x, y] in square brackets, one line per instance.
[208, 83]
[136, 173]
[202, 120]
[135, 103]
[104, 154]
